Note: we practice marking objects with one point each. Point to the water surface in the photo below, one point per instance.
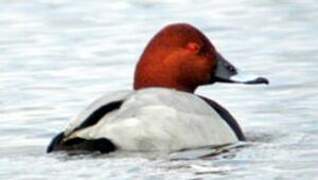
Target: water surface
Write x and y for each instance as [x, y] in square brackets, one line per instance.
[58, 56]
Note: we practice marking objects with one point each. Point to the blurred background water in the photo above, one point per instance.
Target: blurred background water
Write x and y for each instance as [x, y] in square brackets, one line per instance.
[58, 56]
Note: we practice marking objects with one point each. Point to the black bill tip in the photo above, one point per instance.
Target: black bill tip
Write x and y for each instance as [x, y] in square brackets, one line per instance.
[259, 80]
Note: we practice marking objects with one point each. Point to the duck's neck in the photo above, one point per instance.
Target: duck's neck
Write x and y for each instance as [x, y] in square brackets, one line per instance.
[139, 85]
[153, 78]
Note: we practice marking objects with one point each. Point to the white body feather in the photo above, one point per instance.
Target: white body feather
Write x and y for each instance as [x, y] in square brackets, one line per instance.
[155, 119]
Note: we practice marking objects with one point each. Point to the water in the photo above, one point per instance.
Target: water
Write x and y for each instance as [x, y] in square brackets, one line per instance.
[58, 56]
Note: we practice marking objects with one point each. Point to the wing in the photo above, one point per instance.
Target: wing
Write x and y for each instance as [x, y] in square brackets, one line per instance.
[161, 119]
[146, 120]
[89, 117]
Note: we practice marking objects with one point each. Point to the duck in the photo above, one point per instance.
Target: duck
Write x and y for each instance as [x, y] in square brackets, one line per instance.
[162, 112]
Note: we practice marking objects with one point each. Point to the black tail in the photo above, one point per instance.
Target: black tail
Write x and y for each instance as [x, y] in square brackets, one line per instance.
[102, 145]
[55, 143]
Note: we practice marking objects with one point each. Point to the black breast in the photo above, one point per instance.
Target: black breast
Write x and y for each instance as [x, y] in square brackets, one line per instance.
[227, 117]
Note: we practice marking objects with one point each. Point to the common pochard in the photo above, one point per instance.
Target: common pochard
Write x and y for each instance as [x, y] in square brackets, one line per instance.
[162, 112]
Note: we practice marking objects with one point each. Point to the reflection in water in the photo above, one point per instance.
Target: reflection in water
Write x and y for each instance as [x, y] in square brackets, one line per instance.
[57, 57]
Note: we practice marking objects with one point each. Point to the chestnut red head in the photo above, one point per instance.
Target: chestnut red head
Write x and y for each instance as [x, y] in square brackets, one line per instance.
[181, 57]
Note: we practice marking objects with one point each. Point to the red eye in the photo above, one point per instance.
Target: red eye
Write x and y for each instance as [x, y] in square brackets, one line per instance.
[192, 46]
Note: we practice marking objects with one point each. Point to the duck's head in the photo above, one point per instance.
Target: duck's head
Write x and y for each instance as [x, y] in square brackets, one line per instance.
[183, 58]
